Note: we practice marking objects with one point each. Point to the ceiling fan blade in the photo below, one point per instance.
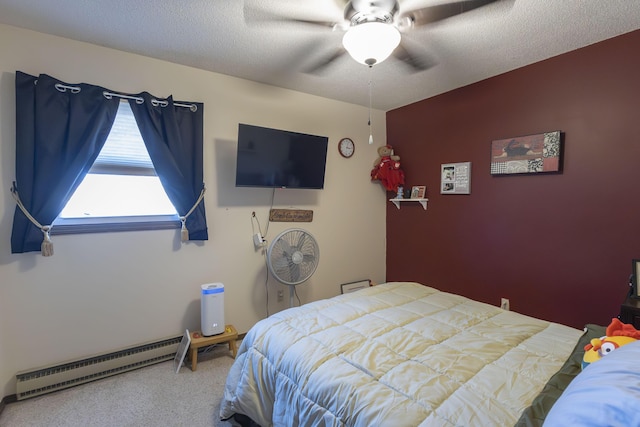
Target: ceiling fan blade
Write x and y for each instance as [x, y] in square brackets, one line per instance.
[321, 66]
[254, 15]
[416, 63]
[431, 14]
[341, 4]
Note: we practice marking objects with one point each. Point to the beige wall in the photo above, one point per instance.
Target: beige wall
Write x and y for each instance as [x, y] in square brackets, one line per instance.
[106, 291]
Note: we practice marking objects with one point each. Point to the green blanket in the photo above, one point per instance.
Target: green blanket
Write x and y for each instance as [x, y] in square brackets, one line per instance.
[535, 414]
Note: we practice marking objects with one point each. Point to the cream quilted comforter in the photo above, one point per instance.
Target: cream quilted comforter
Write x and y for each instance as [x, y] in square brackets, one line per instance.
[397, 354]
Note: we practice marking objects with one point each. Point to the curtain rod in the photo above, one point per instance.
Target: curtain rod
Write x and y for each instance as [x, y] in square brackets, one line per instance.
[138, 99]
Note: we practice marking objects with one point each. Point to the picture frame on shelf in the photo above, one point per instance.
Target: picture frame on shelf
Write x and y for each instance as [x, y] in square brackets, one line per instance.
[418, 191]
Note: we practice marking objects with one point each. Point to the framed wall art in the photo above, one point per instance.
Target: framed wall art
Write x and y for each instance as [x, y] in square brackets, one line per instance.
[346, 288]
[527, 154]
[455, 178]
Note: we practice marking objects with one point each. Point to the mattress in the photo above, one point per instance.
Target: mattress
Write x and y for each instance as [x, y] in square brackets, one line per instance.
[396, 354]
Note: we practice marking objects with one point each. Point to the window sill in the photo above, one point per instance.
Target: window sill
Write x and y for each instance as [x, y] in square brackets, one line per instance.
[114, 224]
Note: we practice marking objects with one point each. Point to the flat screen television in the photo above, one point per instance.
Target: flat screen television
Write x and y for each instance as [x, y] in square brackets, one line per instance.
[279, 158]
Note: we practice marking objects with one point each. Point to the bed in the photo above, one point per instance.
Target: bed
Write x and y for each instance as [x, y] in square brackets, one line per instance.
[401, 354]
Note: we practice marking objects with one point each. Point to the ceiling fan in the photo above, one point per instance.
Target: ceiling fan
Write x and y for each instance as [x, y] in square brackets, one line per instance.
[373, 29]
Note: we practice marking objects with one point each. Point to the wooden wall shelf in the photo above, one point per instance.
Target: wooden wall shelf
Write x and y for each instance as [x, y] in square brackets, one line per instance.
[397, 202]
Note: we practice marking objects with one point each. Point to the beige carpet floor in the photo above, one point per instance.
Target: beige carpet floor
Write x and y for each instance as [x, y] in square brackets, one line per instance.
[150, 396]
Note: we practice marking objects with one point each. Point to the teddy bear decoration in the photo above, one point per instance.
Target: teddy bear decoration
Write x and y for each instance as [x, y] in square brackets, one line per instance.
[386, 169]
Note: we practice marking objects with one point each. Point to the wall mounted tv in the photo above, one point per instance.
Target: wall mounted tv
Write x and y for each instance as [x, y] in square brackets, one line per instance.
[279, 158]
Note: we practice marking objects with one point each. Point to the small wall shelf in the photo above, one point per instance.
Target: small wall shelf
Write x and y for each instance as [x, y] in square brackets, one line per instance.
[397, 202]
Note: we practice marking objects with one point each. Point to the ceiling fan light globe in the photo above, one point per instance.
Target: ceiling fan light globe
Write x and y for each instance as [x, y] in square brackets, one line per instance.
[371, 42]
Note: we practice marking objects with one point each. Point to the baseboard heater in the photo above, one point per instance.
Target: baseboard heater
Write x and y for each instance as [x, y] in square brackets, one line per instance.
[52, 378]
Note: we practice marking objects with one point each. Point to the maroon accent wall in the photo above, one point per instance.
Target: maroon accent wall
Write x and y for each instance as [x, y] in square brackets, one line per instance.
[559, 246]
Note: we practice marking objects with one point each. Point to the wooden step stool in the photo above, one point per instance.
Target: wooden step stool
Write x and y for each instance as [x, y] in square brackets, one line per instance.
[198, 340]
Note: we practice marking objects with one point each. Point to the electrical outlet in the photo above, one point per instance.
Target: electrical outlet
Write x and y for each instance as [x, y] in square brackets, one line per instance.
[280, 296]
[504, 303]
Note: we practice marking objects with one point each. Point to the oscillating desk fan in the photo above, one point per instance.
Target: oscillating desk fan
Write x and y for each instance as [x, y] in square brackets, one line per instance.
[292, 258]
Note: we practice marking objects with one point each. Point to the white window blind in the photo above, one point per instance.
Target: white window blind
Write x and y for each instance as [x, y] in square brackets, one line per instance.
[124, 152]
[122, 184]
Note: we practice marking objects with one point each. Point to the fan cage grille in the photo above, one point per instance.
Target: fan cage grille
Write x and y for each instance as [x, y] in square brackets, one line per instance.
[293, 256]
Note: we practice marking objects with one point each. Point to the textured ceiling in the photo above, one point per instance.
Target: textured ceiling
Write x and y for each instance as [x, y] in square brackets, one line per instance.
[214, 35]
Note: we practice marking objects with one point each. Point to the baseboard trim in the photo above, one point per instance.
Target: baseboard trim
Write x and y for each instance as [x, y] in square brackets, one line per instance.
[7, 399]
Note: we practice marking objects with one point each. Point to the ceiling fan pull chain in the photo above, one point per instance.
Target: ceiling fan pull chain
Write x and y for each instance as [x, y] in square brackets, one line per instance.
[370, 133]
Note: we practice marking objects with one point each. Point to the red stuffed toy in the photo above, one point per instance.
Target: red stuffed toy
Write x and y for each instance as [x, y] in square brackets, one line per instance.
[386, 169]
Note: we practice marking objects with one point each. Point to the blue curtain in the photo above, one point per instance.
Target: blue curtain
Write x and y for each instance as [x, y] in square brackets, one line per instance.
[173, 137]
[60, 130]
[59, 133]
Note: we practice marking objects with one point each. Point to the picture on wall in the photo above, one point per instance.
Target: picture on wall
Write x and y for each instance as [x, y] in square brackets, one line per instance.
[455, 178]
[527, 154]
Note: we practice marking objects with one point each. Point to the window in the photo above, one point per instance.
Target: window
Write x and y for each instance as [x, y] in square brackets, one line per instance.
[73, 118]
[122, 190]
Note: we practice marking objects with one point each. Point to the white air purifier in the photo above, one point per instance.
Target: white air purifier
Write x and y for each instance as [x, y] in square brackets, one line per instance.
[212, 309]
